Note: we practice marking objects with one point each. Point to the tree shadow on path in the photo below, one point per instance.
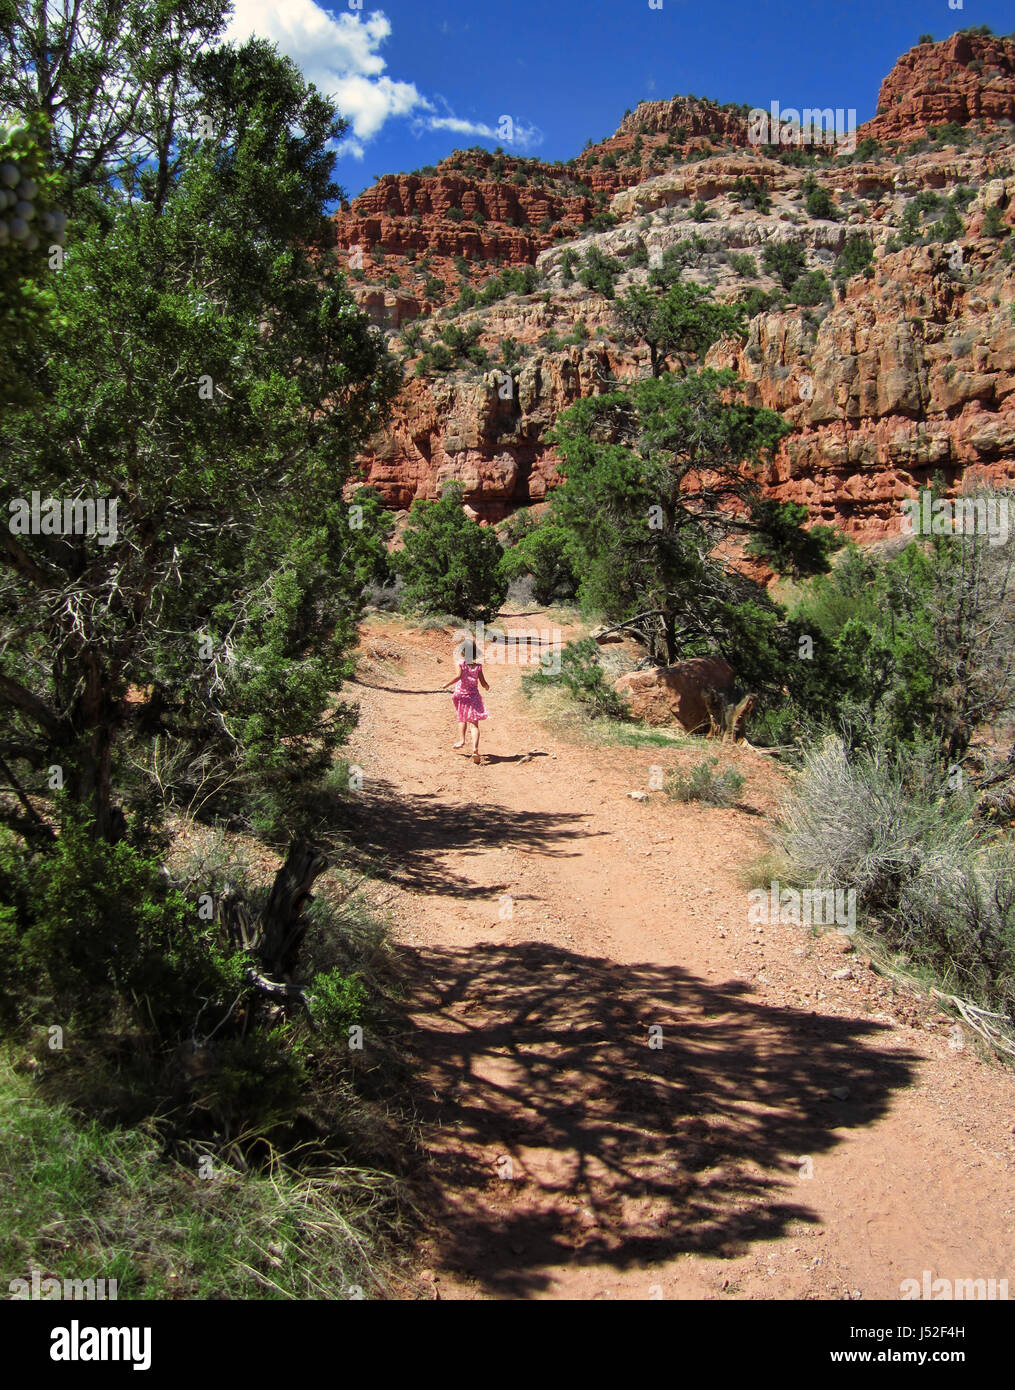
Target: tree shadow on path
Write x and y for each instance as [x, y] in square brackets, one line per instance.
[559, 1134]
[400, 837]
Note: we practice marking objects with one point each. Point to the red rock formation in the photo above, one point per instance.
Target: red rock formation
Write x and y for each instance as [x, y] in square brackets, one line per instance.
[966, 78]
[911, 373]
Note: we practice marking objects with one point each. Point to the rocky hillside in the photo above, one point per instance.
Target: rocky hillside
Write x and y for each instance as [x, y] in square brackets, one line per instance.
[891, 347]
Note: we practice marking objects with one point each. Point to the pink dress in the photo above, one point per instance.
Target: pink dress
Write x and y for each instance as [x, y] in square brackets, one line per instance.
[466, 697]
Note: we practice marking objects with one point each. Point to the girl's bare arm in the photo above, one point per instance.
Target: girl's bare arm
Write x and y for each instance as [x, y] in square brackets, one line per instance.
[482, 679]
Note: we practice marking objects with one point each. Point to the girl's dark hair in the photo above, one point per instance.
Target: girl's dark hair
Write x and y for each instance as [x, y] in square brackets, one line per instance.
[469, 650]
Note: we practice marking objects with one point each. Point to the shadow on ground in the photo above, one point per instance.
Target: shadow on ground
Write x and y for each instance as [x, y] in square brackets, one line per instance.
[557, 1133]
[394, 835]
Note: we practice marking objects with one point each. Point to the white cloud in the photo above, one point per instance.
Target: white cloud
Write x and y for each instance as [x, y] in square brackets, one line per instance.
[521, 136]
[341, 57]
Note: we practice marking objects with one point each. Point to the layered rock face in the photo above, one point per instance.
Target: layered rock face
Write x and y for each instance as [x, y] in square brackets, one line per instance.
[906, 372]
[967, 78]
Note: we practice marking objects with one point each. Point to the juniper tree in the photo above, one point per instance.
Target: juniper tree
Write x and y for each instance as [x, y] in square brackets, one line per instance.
[208, 373]
[658, 477]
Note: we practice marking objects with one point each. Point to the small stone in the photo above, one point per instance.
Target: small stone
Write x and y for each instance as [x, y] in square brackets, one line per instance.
[846, 974]
[840, 1092]
[638, 796]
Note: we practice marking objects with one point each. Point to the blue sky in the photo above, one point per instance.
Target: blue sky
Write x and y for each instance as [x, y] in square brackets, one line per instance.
[421, 79]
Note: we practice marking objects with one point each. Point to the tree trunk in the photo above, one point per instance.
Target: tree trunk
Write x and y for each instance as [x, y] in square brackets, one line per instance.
[273, 940]
[670, 630]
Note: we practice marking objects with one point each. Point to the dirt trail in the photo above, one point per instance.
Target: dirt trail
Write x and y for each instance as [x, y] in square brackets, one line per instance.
[793, 1136]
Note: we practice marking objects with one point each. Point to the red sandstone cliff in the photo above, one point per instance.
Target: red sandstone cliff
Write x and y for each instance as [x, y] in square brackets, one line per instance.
[910, 373]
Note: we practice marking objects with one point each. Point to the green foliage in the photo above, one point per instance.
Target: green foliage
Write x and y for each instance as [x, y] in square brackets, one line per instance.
[811, 289]
[702, 783]
[454, 214]
[581, 674]
[94, 929]
[599, 272]
[783, 542]
[214, 379]
[684, 319]
[946, 227]
[785, 260]
[867, 148]
[701, 212]
[337, 1000]
[743, 263]
[758, 301]
[511, 280]
[602, 222]
[752, 193]
[449, 563]
[993, 224]
[951, 133]
[855, 257]
[28, 305]
[640, 541]
[689, 251]
[818, 203]
[918, 644]
[542, 551]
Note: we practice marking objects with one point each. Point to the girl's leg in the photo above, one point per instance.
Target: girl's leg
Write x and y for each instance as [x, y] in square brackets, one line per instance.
[475, 736]
[461, 734]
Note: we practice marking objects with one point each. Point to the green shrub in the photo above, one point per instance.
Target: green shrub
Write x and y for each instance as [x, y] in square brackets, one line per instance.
[993, 223]
[337, 1000]
[449, 563]
[785, 260]
[743, 264]
[94, 931]
[757, 301]
[542, 552]
[581, 674]
[602, 222]
[889, 825]
[855, 257]
[704, 784]
[819, 204]
[810, 289]
[600, 272]
[752, 193]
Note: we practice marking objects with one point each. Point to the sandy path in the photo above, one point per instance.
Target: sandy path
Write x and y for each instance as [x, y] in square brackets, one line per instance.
[786, 1134]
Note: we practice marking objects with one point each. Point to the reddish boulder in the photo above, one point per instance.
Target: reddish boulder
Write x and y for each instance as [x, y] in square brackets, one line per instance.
[676, 694]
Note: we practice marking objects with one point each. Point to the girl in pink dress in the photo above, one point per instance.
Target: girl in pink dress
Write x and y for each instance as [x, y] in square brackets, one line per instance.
[466, 698]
